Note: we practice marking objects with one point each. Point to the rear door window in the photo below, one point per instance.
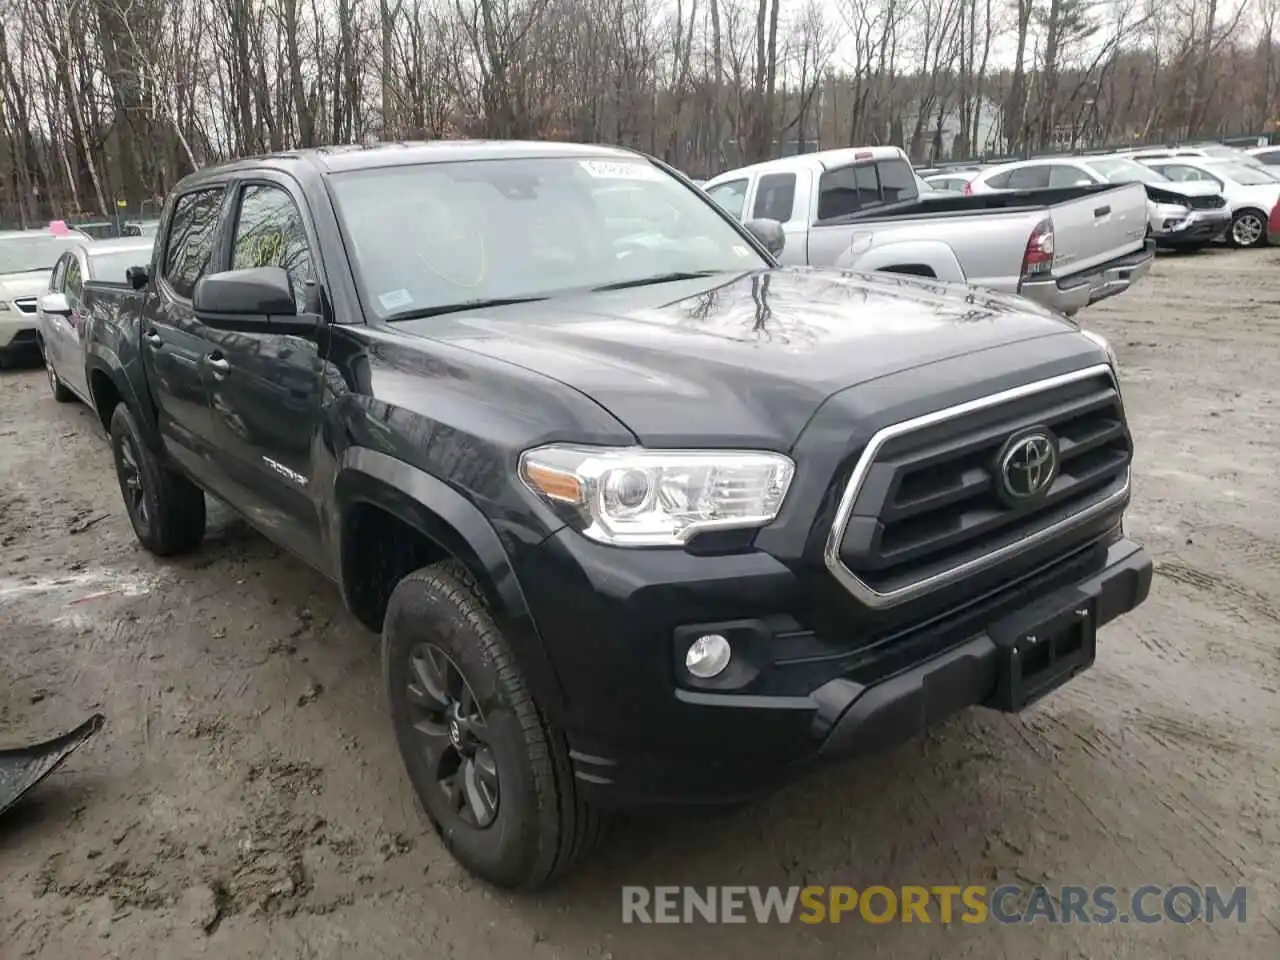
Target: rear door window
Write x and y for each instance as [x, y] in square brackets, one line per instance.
[1000, 181]
[731, 195]
[1270, 157]
[775, 197]
[846, 190]
[1064, 175]
[1029, 178]
[192, 232]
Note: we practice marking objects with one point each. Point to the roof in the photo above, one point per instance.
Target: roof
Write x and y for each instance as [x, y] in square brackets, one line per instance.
[818, 160]
[123, 245]
[71, 234]
[337, 159]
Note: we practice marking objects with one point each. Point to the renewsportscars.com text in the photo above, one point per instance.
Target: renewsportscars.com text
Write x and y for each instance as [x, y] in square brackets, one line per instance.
[1008, 904]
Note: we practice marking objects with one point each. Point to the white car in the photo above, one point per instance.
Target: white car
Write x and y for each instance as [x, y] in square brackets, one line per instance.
[1186, 215]
[1252, 193]
[1206, 151]
[26, 259]
[59, 315]
[1268, 156]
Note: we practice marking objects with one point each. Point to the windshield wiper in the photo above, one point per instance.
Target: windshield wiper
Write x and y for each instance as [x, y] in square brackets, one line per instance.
[460, 307]
[657, 278]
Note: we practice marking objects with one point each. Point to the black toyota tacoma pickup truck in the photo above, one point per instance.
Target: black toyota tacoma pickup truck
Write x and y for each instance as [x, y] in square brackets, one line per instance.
[642, 518]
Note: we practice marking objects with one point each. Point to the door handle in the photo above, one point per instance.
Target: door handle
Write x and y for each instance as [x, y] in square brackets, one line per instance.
[217, 361]
[1102, 211]
[153, 338]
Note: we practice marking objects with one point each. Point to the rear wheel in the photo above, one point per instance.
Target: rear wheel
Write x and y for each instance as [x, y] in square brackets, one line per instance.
[60, 391]
[492, 776]
[1248, 229]
[165, 508]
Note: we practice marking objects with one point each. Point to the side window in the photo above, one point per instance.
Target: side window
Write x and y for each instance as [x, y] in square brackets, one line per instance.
[897, 182]
[846, 190]
[191, 235]
[1269, 157]
[775, 197]
[74, 283]
[1061, 175]
[270, 233]
[59, 274]
[732, 196]
[1000, 181]
[1029, 178]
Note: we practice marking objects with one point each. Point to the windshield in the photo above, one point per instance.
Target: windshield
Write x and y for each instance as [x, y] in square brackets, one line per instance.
[1244, 174]
[1120, 170]
[38, 251]
[432, 235]
[110, 267]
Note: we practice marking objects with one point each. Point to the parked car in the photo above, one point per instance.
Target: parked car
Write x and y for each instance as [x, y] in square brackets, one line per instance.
[1251, 192]
[1268, 156]
[951, 182]
[26, 259]
[139, 228]
[60, 312]
[1186, 215]
[639, 523]
[1207, 151]
[861, 209]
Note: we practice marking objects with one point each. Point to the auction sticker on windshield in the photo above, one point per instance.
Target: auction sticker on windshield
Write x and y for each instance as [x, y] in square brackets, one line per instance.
[395, 299]
[613, 170]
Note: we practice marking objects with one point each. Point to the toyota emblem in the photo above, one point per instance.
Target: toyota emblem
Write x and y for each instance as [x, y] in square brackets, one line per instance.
[1028, 465]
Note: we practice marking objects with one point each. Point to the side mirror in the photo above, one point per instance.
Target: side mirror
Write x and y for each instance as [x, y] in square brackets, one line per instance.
[256, 292]
[259, 299]
[137, 277]
[55, 304]
[769, 233]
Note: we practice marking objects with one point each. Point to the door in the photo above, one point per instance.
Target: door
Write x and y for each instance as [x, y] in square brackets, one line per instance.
[70, 329]
[174, 343]
[264, 386]
[53, 328]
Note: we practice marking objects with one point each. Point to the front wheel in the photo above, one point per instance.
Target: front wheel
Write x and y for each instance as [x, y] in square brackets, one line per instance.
[1248, 229]
[165, 508]
[492, 776]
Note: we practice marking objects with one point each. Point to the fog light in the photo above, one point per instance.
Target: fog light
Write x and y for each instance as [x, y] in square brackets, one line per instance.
[708, 656]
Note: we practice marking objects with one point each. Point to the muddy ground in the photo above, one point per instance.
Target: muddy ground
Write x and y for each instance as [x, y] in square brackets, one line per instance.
[245, 798]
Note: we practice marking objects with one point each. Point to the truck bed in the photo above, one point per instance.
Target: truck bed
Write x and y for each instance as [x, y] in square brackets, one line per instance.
[958, 205]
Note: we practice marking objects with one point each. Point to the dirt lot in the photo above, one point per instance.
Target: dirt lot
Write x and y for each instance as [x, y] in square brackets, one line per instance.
[245, 798]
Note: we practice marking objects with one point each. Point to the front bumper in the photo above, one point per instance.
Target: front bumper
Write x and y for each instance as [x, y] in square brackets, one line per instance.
[639, 735]
[18, 340]
[1073, 293]
[1199, 227]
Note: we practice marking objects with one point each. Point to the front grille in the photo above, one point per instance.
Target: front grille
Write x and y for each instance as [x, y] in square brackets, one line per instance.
[923, 508]
[26, 304]
[1207, 203]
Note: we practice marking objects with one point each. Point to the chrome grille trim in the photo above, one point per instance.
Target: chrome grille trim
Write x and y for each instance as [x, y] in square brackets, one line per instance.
[866, 594]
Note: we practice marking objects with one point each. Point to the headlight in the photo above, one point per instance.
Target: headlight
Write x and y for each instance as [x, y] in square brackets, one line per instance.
[648, 498]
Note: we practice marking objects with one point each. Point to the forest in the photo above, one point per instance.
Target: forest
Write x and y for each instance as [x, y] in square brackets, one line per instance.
[105, 104]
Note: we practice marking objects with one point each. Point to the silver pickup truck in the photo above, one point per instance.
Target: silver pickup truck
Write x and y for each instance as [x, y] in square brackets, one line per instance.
[861, 209]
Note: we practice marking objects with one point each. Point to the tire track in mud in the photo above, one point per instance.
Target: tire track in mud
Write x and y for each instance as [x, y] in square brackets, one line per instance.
[1227, 593]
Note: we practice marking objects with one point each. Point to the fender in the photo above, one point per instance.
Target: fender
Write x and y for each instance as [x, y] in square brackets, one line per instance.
[104, 360]
[457, 525]
[934, 254]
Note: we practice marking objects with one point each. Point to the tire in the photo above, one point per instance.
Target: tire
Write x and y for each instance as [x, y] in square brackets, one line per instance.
[1248, 229]
[521, 823]
[60, 391]
[165, 508]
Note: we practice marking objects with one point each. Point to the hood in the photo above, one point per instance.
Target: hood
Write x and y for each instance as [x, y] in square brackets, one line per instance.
[1175, 189]
[745, 358]
[15, 286]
